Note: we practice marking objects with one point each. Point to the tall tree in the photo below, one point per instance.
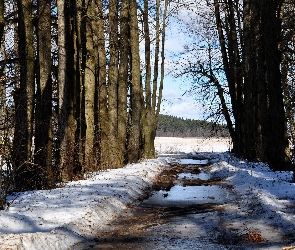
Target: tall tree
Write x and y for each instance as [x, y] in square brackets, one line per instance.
[153, 95]
[103, 121]
[134, 142]
[123, 75]
[90, 58]
[109, 126]
[265, 135]
[2, 103]
[113, 82]
[229, 45]
[66, 77]
[43, 118]
[26, 174]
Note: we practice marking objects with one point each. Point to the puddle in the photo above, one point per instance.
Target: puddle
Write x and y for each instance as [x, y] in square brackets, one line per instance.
[193, 161]
[192, 186]
[189, 195]
[188, 176]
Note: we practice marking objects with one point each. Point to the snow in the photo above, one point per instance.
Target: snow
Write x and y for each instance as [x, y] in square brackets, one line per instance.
[59, 218]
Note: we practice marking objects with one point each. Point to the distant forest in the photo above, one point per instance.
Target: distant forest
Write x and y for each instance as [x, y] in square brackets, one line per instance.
[172, 126]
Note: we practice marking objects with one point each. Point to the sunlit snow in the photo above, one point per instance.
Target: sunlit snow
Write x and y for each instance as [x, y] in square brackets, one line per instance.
[57, 219]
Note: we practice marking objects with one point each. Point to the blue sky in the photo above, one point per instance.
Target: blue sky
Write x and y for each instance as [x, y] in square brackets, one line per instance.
[175, 103]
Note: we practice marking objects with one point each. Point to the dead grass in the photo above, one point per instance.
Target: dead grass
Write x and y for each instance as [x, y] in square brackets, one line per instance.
[253, 236]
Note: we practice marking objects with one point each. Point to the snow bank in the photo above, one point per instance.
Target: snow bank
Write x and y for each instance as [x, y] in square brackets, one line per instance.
[59, 218]
[266, 198]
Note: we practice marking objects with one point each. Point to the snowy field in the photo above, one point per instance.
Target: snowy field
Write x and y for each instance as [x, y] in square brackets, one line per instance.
[174, 145]
[57, 219]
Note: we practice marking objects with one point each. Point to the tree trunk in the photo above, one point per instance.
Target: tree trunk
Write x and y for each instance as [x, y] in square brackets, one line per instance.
[276, 137]
[104, 127]
[265, 137]
[153, 103]
[26, 175]
[43, 126]
[231, 68]
[113, 84]
[89, 84]
[148, 113]
[66, 121]
[134, 143]
[122, 81]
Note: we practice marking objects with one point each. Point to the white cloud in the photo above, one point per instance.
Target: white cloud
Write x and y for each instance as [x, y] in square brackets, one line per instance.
[181, 106]
[174, 45]
[176, 103]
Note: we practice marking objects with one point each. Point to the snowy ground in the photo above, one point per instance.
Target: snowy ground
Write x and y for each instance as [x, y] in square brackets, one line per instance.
[56, 219]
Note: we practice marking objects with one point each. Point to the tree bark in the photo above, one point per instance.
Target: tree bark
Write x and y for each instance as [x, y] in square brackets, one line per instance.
[276, 137]
[103, 127]
[134, 143]
[43, 123]
[123, 81]
[26, 175]
[233, 74]
[113, 84]
[89, 84]
[66, 73]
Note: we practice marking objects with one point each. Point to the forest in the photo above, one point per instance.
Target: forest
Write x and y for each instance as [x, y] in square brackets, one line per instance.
[171, 126]
[81, 81]
[74, 95]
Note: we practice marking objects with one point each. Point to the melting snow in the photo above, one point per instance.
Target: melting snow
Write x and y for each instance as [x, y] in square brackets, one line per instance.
[58, 218]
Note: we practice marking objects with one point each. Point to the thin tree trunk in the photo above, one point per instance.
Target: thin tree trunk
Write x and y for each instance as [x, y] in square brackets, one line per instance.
[103, 102]
[122, 80]
[89, 84]
[231, 64]
[3, 122]
[113, 82]
[148, 115]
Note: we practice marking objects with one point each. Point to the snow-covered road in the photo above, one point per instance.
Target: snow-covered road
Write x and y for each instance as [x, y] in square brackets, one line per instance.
[57, 219]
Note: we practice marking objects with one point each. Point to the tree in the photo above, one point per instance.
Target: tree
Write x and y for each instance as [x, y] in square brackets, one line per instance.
[89, 80]
[287, 49]
[26, 176]
[123, 81]
[43, 117]
[66, 88]
[86, 112]
[134, 133]
[265, 135]
[153, 87]
[253, 79]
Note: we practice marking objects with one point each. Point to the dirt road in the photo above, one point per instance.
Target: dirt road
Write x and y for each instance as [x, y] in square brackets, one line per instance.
[185, 209]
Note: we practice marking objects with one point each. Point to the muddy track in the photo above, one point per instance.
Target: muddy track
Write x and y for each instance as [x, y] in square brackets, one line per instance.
[161, 221]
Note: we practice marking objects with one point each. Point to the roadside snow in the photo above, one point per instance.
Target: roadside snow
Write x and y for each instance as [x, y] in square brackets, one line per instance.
[266, 198]
[57, 219]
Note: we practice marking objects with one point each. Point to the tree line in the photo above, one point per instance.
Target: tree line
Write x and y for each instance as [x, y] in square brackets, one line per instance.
[172, 126]
[245, 60]
[77, 92]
